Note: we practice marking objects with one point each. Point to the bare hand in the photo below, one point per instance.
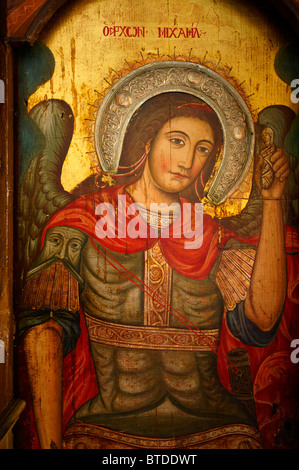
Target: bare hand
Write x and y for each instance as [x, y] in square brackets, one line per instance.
[278, 171]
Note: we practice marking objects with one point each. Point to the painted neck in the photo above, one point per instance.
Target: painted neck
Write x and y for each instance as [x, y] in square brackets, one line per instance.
[145, 191]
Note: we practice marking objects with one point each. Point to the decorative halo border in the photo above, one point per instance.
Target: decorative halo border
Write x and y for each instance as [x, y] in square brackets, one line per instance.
[138, 86]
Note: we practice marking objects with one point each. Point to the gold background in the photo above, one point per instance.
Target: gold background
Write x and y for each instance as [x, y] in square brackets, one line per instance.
[236, 40]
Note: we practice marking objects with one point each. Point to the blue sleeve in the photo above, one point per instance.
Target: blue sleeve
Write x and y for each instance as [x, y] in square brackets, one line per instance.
[246, 330]
[70, 323]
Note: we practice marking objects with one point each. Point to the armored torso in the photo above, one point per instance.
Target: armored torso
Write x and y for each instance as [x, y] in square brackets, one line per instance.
[150, 358]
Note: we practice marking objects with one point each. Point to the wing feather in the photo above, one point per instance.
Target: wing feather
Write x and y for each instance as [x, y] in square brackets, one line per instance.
[41, 193]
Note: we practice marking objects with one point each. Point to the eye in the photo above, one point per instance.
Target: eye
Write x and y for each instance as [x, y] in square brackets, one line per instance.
[177, 141]
[55, 240]
[205, 150]
[75, 245]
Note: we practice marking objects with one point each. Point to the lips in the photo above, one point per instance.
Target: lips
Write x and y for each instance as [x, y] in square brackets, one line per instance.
[179, 175]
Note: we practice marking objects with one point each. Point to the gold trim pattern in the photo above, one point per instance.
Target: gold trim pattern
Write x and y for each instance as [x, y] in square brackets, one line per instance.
[236, 436]
[157, 277]
[147, 337]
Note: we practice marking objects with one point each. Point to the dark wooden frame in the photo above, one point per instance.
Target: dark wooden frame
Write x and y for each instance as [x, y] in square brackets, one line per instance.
[6, 237]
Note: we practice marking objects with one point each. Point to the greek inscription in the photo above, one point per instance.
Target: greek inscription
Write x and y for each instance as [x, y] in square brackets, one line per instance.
[186, 33]
[125, 31]
[160, 32]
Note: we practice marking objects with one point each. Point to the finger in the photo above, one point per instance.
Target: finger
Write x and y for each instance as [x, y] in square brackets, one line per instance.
[284, 170]
[280, 164]
[284, 176]
[278, 155]
[278, 159]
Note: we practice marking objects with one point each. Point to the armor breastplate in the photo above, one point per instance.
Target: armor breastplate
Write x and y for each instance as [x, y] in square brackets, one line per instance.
[153, 295]
[144, 350]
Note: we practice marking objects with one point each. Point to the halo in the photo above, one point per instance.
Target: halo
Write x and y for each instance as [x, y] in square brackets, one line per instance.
[138, 86]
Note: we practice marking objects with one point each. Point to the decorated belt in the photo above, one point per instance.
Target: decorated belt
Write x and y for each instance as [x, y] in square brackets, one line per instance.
[80, 435]
[149, 337]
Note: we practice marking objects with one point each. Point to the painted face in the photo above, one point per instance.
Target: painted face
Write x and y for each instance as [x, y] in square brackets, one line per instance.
[64, 243]
[179, 152]
[267, 135]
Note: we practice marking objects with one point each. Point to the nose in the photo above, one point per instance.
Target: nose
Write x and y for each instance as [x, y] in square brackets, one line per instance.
[63, 251]
[186, 158]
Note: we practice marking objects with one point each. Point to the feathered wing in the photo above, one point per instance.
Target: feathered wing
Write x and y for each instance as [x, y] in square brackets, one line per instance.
[41, 192]
[248, 222]
[236, 263]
